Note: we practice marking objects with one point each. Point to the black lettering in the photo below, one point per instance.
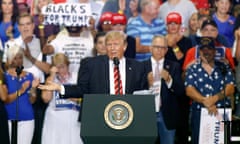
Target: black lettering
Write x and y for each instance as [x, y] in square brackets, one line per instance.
[66, 9]
[82, 9]
[51, 17]
[73, 9]
[216, 133]
[49, 9]
[61, 9]
[74, 19]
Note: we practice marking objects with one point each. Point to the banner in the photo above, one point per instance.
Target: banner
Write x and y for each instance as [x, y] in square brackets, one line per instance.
[212, 127]
[67, 14]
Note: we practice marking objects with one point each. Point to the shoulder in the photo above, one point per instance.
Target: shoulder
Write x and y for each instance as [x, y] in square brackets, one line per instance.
[28, 75]
[171, 63]
[133, 62]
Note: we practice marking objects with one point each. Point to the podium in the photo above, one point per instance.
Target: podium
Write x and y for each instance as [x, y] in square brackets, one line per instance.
[116, 119]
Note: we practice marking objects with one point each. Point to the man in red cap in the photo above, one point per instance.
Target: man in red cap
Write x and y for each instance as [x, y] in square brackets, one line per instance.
[178, 44]
[119, 22]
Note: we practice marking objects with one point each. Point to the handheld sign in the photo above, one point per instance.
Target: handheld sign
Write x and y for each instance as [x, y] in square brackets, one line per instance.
[67, 14]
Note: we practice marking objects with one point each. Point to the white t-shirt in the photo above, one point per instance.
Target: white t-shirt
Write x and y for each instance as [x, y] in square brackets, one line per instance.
[185, 8]
[76, 48]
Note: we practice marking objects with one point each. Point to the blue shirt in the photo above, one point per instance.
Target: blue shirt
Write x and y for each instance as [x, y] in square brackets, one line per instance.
[138, 28]
[226, 28]
[25, 110]
[3, 28]
[208, 85]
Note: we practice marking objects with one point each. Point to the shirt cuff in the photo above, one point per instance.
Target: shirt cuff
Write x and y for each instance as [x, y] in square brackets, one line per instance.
[62, 90]
[169, 84]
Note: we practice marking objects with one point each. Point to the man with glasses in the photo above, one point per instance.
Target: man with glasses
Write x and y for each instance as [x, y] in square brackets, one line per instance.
[164, 79]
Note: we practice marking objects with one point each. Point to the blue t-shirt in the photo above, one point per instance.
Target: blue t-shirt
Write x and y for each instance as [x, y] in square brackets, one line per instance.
[226, 28]
[25, 110]
[3, 28]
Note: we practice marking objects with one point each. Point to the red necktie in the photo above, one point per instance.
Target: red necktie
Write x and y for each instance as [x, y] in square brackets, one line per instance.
[117, 81]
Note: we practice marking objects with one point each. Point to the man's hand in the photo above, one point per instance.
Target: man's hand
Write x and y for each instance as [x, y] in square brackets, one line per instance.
[212, 110]
[209, 101]
[165, 75]
[51, 86]
[150, 79]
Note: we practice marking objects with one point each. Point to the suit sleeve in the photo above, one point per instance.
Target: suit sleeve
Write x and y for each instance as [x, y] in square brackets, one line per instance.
[177, 86]
[77, 91]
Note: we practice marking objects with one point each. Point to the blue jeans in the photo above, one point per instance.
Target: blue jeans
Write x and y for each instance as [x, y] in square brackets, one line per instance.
[166, 136]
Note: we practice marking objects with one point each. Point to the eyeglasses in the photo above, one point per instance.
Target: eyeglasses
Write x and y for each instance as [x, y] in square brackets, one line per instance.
[159, 47]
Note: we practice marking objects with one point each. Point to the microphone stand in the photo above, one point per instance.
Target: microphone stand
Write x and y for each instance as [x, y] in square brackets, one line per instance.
[227, 133]
[15, 122]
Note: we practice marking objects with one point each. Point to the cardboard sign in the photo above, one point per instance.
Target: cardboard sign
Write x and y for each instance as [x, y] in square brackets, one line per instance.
[67, 14]
[212, 127]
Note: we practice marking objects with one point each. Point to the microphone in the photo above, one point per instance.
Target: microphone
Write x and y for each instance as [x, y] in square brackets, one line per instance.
[116, 61]
[19, 70]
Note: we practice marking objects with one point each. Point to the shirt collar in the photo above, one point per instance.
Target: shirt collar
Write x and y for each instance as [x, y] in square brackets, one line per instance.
[161, 61]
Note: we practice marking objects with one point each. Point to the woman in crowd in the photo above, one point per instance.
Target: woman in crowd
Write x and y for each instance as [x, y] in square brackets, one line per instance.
[8, 20]
[224, 20]
[193, 24]
[99, 44]
[61, 124]
[21, 94]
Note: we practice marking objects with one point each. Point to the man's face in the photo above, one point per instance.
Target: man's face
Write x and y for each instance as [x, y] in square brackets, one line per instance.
[26, 27]
[152, 9]
[158, 48]
[208, 54]
[115, 48]
[209, 31]
[73, 29]
[173, 28]
[17, 60]
[119, 27]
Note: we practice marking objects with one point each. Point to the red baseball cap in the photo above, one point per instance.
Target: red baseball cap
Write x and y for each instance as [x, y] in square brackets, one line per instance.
[118, 18]
[107, 16]
[174, 17]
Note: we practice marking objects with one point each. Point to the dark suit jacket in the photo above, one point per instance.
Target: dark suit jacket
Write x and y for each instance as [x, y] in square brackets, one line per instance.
[93, 77]
[169, 96]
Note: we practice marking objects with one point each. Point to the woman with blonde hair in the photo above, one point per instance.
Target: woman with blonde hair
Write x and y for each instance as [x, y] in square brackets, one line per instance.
[61, 125]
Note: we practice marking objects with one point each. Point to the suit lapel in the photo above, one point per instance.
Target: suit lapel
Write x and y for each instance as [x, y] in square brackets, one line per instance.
[106, 76]
[129, 74]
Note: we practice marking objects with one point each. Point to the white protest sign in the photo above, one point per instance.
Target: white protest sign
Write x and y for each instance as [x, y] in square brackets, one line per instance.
[212, 127]
[67, 14]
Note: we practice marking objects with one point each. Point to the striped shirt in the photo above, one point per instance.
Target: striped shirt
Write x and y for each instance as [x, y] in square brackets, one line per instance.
[138, 28]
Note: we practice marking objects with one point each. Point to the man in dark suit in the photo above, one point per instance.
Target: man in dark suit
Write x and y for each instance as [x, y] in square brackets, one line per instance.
[164, 77]
[96, 75]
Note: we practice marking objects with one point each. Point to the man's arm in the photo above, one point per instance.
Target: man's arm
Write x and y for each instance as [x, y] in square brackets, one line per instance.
[141, 48]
